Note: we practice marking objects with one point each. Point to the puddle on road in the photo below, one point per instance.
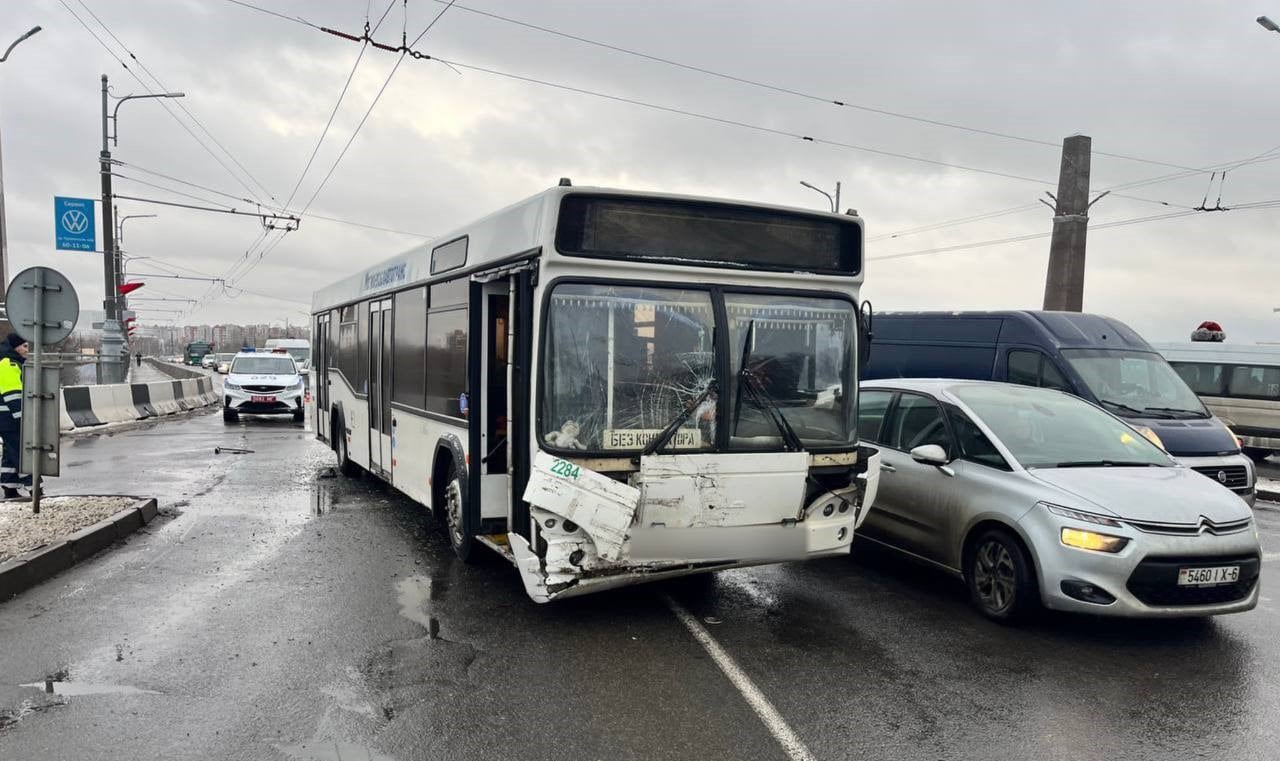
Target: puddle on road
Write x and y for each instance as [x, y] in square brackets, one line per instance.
[414, 595]
[72, 689]
[323, 498]
[332, 750]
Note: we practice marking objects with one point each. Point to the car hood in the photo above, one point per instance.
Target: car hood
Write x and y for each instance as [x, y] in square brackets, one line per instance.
[263, 380]
[1206, 437]
[1160, 495]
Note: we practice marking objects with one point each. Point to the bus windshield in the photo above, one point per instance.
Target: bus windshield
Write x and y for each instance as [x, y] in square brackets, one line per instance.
[623, 362]
[1135, 384]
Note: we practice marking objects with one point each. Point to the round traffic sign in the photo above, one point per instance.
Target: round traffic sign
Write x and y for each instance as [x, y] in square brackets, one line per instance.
[61, 305]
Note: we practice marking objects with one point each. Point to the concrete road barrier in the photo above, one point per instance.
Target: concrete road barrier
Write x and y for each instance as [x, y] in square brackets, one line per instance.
[89, 406]
[162, 399]
[65, 423]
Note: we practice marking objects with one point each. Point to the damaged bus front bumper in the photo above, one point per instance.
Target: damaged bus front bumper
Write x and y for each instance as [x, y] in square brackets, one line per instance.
[681, 515]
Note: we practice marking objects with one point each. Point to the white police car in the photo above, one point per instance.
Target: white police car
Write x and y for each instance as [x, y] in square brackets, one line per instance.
[260, 383]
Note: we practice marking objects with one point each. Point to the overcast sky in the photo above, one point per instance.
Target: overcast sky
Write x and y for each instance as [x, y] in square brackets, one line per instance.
[1187, 84]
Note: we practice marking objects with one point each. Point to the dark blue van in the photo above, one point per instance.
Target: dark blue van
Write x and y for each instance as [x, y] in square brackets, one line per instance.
[1094, 357]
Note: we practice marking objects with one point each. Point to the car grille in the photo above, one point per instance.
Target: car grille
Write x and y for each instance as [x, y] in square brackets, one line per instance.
[1231, 476]
[264, 389]
[1155, 581]
[1203, 526]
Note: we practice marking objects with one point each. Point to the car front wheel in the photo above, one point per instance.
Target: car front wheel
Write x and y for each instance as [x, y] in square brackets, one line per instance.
[1002, 582]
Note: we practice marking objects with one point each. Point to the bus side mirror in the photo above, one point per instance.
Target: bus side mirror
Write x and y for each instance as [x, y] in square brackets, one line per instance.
[866, 316]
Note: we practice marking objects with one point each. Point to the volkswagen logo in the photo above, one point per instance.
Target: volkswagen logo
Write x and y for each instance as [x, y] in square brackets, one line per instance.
[1222, 476]
[75, 221]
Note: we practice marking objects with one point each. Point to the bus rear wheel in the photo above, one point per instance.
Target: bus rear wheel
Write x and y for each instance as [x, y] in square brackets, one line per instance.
[345, 465]
[454, 519]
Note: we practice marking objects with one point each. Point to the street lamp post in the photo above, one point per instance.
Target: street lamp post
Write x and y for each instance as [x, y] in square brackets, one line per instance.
[120, 256]
[1268, 24]
[4, 239]
[833, 200]
[112, 336]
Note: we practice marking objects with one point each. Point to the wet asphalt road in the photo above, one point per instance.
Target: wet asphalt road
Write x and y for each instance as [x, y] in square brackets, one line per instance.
[277, 612]
[1270, 468]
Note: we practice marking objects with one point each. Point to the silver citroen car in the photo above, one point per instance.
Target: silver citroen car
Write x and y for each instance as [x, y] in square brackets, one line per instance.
[1035, 497]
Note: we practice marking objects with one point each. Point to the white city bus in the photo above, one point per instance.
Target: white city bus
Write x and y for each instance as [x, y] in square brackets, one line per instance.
[609, 387]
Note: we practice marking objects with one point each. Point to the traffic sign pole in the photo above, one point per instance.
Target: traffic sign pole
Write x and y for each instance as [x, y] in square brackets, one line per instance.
[53, 308]
[37, 395]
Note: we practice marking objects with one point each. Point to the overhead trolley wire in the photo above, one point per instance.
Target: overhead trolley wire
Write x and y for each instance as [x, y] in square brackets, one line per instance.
[407, 49]
[1033, 236]
[792, 91]
[281, 209]
[150, 91]
[342, 94]
[350, 140]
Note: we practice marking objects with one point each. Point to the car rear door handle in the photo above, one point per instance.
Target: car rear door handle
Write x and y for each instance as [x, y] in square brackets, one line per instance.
[886, 467]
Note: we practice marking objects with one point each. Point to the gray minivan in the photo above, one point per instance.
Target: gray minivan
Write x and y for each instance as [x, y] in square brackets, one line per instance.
[1097, 358]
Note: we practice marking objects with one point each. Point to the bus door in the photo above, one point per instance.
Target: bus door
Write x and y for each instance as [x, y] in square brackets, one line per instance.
[501, 417]
[320, 375]
[380, 325]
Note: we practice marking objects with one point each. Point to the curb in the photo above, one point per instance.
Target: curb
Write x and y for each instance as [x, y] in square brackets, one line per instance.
[19, 574]
[1268, 495]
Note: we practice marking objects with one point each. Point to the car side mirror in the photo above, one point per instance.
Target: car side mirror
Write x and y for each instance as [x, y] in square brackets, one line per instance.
[930, 454]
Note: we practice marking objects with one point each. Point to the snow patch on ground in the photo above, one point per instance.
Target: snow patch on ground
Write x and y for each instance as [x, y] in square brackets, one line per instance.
[59, 517]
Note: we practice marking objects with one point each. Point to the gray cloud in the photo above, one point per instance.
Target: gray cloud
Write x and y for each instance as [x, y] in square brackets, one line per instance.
[1181, 82]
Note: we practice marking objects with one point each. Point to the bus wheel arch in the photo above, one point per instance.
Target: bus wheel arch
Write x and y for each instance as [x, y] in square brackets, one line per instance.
[338, 442]
[450, 497]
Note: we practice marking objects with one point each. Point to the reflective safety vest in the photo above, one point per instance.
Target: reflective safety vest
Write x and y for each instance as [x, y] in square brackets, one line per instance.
[10, 393]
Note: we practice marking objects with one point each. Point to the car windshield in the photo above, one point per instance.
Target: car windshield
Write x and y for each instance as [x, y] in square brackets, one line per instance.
[1135, 383]
[263, 365]
[300, 354]
[1050, 429]
[624, 362]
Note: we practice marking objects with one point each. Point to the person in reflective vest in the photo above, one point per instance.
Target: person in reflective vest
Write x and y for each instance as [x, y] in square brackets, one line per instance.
[12, 356]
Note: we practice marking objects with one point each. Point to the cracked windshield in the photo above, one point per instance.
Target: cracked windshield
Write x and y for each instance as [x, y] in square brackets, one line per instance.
[623, 362]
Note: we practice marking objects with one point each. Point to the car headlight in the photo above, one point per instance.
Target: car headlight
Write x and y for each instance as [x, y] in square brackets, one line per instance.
[1150, 435]
[1083, 517]
[229, 386]
[1091, 540]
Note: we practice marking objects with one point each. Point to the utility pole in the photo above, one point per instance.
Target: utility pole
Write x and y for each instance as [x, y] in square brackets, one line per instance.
[113, 365]
[116, 365]
[1064, 283]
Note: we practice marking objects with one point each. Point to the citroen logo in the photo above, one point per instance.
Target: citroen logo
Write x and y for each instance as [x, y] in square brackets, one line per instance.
[1222, 476]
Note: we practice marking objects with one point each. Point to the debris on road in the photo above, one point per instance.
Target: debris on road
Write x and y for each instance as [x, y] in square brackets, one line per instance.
[231, 450]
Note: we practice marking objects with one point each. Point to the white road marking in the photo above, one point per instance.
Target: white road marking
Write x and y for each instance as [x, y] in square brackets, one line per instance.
[1267, 557]
[773, 721]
